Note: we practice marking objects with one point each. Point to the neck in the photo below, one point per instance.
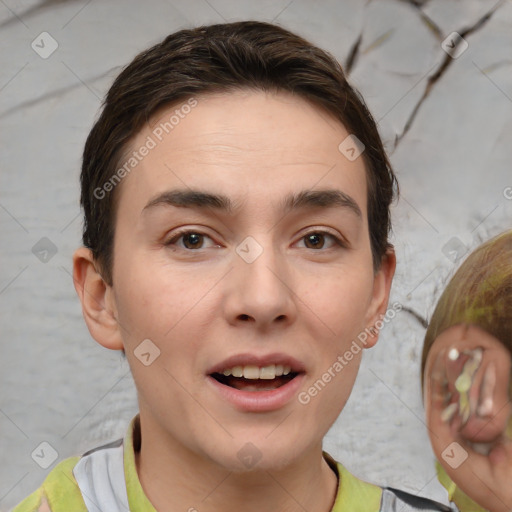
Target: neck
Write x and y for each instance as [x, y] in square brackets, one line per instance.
[174, 475]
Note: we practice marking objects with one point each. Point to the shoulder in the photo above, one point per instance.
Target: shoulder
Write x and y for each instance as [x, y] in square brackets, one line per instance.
[95, 480]
[358, 495]
[58, 493]
[353, 493]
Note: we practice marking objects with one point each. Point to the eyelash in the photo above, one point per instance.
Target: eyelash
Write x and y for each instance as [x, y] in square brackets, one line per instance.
[337, 240]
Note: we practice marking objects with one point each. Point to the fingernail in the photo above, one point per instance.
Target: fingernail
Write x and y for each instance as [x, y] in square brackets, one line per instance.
[473, 404]
[476, 354]
[486, 402]
[453, 354]
[485, 408]
[465, 409]
[449, 412]
[481, 448]
[463, 382]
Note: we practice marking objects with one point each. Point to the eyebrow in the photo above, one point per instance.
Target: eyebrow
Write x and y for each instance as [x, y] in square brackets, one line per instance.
[193, 198]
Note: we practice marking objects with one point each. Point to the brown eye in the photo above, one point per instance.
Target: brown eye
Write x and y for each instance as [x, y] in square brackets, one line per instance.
[190, 240]
[194, 239]
[317, 240]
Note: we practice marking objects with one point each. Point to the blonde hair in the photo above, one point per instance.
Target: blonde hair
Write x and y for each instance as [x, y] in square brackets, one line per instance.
[480, 293]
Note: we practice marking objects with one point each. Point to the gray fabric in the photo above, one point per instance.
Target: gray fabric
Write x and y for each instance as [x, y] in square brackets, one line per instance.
[394, 500]
[100, 477]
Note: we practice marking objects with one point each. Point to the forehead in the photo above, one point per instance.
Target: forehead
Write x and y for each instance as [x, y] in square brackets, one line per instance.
[247, 143]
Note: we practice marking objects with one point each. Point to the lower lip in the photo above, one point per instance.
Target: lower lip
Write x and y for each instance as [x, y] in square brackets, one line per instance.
[258, 401]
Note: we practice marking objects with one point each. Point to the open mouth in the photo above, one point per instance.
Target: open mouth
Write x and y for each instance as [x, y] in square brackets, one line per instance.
[257, 384]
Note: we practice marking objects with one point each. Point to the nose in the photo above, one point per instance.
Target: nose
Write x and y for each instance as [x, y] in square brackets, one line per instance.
[260, 291]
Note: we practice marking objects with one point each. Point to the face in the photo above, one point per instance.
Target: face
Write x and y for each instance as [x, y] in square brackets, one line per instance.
[269, 279]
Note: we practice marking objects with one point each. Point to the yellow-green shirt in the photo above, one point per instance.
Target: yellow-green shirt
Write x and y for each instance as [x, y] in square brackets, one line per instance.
[95, 482]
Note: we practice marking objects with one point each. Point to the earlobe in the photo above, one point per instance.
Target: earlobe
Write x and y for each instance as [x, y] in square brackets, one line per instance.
[380, 297]
[98, 304]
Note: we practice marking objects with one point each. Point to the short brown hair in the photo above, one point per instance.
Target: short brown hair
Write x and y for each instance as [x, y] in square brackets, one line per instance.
[222, 58]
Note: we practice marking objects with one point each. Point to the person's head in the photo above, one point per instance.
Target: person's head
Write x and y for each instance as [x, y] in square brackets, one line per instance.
[224, 58]
[248, 138]
[466, 370]
[479, 293]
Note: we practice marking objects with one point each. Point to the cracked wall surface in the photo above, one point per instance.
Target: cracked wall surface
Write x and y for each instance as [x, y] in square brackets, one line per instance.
[446, 123]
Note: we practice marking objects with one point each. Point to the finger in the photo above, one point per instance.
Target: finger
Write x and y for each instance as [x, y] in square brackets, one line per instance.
[489, 420]
[463, 366]
[489, 395]
[483, 474]
[440, 398]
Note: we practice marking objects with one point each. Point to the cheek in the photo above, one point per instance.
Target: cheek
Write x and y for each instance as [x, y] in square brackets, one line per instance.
[152, 298]
[337, 309]
[341, 299]
[172, 306]
[329, 389]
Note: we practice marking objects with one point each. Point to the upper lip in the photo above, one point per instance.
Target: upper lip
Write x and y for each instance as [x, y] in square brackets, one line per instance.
[258, 360]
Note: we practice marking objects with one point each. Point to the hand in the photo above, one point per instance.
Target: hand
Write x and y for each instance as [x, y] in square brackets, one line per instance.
[468, 410]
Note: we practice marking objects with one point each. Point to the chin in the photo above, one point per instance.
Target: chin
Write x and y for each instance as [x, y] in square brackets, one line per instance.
[256, 455]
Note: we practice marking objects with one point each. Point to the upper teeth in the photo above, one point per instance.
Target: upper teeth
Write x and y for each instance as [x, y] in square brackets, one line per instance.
[256, 372]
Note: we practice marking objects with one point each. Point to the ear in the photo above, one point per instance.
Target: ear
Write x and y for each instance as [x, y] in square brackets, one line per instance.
[380, 296]
[97, 298]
